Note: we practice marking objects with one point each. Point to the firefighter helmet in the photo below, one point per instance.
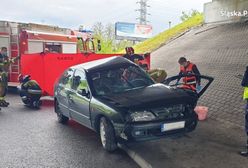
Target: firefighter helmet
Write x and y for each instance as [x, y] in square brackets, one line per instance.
[20, 78]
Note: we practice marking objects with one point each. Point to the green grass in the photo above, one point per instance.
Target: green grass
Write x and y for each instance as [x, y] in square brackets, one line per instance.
[160, 39]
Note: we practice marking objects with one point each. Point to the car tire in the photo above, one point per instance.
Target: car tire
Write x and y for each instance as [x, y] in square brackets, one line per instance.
[61, 118]
[107, 135]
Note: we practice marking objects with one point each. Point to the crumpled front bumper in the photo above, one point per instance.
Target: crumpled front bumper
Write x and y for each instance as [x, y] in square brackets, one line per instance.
[133, 132]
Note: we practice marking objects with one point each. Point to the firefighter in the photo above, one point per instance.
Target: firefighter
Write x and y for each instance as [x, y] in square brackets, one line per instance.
[7, 63]
[192, 80]
[3, 77]
[245, 96]
[158, 75]
[3, 103]
[3, 52]
[131, 56]
[4, 63]
[4, 58]
[30, 98]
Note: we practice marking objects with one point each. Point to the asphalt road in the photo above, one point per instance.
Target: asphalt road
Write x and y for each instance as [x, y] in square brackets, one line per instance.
[211, 145]
[34, 138]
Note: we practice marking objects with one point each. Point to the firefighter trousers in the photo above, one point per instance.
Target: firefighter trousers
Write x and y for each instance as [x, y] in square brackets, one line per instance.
[3, 85]
[2, 91]
[246, 118]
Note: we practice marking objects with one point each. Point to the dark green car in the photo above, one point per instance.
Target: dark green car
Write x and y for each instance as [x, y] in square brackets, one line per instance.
[119, 100]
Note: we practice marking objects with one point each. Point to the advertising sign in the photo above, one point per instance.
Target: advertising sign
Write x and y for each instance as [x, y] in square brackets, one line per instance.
[131, 31]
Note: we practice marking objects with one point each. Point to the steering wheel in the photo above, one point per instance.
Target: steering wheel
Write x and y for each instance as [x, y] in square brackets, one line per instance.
[138, 82]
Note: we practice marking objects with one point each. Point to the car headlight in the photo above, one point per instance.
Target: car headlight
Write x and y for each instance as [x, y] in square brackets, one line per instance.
[142, 116]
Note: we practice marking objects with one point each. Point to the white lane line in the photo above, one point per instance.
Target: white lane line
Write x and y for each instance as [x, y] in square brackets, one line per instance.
[136, 157]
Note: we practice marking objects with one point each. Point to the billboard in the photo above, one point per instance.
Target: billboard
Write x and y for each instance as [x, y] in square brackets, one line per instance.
[132, 31]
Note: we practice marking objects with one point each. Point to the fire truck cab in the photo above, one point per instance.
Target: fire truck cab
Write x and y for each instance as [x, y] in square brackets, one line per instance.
[22, 38]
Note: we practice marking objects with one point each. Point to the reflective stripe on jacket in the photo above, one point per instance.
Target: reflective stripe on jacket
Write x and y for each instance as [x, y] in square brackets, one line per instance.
[245, 96]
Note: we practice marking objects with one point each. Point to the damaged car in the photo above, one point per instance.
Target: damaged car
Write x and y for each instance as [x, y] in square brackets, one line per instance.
[120, 101]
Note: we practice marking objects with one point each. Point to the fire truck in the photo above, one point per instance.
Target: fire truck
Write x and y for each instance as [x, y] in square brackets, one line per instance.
[29, 38]
[46, 51]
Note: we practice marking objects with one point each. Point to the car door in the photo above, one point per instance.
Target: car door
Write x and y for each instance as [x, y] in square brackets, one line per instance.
[79, 99]
[174, 81]
[63, 90]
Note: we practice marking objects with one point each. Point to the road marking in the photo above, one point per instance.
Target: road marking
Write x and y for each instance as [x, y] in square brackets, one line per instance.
[135, 156]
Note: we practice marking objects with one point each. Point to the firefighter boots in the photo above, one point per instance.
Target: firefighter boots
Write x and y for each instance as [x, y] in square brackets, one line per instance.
[3, 103]
[245, 153]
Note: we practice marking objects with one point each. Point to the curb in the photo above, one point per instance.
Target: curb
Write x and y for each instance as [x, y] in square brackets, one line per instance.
[136, 157]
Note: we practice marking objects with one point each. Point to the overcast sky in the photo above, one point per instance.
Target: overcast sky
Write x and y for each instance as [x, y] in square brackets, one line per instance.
[72, 13]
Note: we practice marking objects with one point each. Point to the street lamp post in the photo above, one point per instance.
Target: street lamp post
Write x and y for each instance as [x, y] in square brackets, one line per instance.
[169, 24]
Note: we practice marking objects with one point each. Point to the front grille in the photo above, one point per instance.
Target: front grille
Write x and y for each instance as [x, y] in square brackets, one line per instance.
[171, 112]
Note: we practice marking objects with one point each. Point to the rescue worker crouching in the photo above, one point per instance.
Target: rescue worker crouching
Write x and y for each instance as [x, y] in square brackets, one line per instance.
[30, 91]
[190, 74]
[158, 75]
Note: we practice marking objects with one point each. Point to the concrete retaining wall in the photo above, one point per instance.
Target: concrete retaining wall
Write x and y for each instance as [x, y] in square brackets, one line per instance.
[226, 11]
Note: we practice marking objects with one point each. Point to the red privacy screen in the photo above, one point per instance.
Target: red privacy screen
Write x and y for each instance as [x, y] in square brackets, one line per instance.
[47, 68]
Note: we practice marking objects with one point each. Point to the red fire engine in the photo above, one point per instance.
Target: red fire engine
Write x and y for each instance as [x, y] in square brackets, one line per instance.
[21, 38]
[46, 51]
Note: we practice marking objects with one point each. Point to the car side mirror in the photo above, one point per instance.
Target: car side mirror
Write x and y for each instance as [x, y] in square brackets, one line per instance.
[83, 92]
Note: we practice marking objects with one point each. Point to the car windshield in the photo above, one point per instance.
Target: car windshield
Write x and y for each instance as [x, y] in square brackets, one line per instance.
[120, 80]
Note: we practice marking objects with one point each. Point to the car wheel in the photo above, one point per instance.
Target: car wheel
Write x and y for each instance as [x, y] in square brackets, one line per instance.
[107, 135]
[61, 118]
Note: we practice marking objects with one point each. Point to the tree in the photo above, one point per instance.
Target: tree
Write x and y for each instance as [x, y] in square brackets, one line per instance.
[107, 36]
[109, 32]
[98, 29]
[186, 15]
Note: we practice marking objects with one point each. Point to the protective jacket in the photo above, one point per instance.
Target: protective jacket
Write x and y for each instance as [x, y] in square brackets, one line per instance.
[245, 84]
[245, 78]
[192, 77]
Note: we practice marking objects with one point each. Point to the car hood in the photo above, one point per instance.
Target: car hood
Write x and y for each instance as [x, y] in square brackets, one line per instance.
[148, 97]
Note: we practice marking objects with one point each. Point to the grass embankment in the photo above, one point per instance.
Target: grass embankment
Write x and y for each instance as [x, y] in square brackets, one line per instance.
[154, 43]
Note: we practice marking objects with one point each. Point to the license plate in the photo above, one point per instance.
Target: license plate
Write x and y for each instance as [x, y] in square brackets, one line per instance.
[172, 126]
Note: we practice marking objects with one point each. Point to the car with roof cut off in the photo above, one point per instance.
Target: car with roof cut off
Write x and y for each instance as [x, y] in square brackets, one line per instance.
[120, 101]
